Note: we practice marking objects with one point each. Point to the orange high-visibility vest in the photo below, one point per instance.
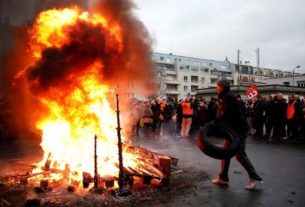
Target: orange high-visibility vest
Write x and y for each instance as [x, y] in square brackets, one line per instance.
[291, 110]
[186, 108]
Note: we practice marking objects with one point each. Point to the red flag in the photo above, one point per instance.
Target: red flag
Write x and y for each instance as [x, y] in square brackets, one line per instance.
[252, 92]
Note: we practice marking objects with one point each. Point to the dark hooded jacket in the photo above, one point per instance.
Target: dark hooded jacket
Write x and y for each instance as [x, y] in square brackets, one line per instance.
[229, 112]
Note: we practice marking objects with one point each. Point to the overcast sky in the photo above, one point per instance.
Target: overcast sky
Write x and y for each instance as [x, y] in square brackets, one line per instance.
[215, 29]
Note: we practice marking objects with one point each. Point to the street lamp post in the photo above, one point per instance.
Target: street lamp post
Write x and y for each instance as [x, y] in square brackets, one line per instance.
[293, 75]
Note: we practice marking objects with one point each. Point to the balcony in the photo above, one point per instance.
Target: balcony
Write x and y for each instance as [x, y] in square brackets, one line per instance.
[229, 77]
[172, 91]
[171, 72]
[213, 76]
[212, 85]
[171, 81]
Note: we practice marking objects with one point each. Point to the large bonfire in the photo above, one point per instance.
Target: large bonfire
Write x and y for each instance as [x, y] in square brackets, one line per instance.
[79, 59]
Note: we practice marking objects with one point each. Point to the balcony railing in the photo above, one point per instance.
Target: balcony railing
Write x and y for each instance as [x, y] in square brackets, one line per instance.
[172, 81]
[172, 91]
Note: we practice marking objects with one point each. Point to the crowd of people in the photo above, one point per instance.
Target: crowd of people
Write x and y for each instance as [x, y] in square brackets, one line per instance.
[271, 118]
[282, 119]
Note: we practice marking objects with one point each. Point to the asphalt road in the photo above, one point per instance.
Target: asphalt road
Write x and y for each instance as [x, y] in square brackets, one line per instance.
[282, 167]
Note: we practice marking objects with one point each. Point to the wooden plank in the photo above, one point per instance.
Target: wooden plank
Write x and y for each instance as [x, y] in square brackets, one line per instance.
[164, 163]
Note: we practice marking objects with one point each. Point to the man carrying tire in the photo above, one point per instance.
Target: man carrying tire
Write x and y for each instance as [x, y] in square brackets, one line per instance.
[230, 115]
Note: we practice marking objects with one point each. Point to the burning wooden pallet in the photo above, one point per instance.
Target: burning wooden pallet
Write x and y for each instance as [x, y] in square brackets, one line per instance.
[161, 165]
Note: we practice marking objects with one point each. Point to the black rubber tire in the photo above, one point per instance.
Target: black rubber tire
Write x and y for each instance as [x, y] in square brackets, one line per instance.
[212, 150]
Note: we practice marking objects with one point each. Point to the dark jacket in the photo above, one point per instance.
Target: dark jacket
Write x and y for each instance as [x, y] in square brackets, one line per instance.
[231, 114]
[211, 113]
[168, 111]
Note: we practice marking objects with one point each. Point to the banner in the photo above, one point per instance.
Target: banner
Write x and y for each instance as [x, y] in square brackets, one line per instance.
[252, 92]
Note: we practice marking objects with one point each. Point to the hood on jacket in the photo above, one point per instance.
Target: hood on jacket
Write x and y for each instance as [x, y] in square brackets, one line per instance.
[226, 87]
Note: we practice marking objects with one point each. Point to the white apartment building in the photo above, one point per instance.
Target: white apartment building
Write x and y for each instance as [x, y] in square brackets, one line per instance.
[179, 76]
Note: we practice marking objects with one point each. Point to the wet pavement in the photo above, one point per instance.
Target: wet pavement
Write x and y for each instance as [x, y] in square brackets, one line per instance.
[282, 167]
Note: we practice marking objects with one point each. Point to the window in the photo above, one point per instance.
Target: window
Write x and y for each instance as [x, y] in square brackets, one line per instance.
[194, 79]
[237, 68]
[185, 78]
[181, 67]
[300, 84]
[211, 64]
[202, 80]
[172, 77]
[171, 87]
[187, 67]
[194, 88]
[168, 60]
[213, 80]
[161, 58]
[286, 83]
[185, 88]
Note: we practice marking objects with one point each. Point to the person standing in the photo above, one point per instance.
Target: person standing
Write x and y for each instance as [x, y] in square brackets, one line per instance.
[187, 117]
[229, 114]
[269, 116]
[167, 112]
[156, 109]
[212, 106]
[147, 118]
[293, 113]
[259, 111]
[282, 116]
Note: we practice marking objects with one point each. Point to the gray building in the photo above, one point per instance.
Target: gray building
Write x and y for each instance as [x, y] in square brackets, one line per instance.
[296, 81]
[179, 76]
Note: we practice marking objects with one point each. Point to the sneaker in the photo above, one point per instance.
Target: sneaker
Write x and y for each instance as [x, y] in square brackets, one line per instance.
[253, 184]
[219, 181]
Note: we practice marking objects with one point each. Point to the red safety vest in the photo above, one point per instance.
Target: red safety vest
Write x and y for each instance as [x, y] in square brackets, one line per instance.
[291, 110]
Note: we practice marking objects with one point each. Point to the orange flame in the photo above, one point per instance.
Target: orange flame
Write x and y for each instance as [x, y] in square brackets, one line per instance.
[52, 25]
[81, 110]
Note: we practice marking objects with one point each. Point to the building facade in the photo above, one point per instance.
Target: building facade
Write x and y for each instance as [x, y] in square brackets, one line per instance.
[296, 81]
[179, 76]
